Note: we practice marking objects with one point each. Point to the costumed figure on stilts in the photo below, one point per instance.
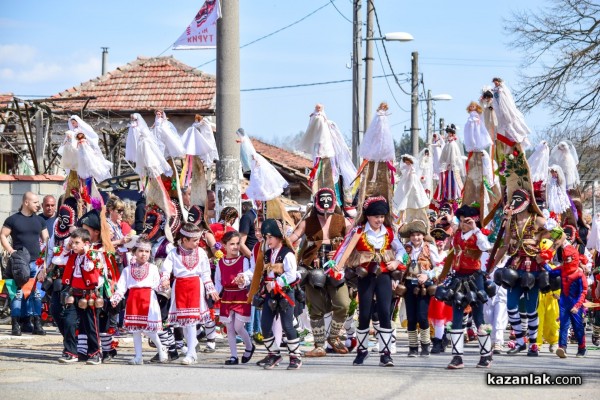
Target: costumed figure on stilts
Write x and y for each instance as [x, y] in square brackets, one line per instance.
[332, 161]
[451, 179]
[410, 199]
[481, 186]
[426, 169]
[565, 156]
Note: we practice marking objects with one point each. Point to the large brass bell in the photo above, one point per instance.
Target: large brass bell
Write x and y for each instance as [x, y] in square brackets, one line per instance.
[70, 300]
[400, 290]
[82, 303]
[99, 302]
[90, 302]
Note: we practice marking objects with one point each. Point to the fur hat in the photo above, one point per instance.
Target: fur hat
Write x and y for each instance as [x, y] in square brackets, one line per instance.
[415, 226]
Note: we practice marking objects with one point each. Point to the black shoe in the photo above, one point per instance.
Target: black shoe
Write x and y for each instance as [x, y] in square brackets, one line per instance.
[385, 360]
[94, 360]
[172, 355]
[456, 363]
[246, 359]
[517, 349]
[82, 357]
[295, 363]
[232, 361]
[262, 361]
[581, 353]
[437, 346]
[37, 326]
[413, 351]
[26, 325]
[108, 356]
[151, 343]
[484, 362]
[445, 342]
[16, 327]
[361, 355]
[273, 361]
[424, 350]
[67, 359]
[596, 340]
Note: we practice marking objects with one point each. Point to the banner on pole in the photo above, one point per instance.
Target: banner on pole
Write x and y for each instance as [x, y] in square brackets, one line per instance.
[201, 33]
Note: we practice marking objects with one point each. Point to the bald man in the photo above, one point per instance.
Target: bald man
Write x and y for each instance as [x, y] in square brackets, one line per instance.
[26, 228]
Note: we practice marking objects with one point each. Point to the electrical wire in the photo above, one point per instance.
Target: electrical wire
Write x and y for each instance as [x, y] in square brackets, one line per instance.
[339, 12]
[306, 85]
[385, 51]
[387, 81]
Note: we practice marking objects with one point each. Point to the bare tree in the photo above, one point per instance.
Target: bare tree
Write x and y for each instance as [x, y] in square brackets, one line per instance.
[563, 39]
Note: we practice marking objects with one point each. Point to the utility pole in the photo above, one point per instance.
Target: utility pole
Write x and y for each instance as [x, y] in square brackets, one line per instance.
[429, 130]
[356, 81]
[369, 65]
[414, 105]
[39, 141]
[227, 188]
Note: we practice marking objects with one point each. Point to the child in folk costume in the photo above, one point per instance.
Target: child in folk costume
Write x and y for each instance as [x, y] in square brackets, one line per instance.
[191, 270]
[439, 313]
[469, 243]
[418, 278]
[377, 253]
[81, 304]
[235, 310]
[142, 312]
[573, 292]
[276, 278]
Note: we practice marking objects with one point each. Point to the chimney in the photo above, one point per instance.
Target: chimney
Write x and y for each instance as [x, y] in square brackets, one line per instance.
[104, 59]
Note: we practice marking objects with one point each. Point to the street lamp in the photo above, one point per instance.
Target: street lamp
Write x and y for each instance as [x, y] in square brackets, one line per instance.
[429, 100]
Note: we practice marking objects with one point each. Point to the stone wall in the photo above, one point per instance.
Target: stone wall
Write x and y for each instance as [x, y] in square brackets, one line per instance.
[13, 187]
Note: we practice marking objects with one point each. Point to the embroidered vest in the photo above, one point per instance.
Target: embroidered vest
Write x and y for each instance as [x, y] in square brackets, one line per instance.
[466, 254]
[277, 265]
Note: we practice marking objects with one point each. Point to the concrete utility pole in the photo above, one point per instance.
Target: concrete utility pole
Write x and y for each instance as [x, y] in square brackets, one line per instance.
[369, 65]
[227, 188]
[414, 105]
[39, 141]
[356, 81]
[429, 128]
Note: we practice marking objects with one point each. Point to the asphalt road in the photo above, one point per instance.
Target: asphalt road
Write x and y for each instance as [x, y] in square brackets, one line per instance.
[29, 370]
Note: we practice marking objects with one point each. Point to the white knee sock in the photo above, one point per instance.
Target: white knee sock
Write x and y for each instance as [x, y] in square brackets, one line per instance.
[231, 336]
[190, 337]
[137, 344]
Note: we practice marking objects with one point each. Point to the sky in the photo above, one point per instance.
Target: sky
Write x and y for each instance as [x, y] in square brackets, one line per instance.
[49, 46]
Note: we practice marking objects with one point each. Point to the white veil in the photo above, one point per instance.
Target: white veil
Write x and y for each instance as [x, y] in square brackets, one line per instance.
[539, 162]
[88, 131]
[565, 155]
[378, 144]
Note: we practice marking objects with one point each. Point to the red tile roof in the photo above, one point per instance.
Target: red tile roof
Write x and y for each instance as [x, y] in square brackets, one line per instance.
[5, 99]
[282, 157]
[34, 178]
[145, 84]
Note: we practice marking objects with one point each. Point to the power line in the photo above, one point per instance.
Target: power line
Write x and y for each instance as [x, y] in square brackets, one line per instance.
[339, 12]
[385, 51]
[386, 80]
[277, 31]
[306, 85]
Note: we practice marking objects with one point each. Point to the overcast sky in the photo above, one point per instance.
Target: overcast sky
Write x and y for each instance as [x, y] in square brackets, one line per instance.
[49, 46]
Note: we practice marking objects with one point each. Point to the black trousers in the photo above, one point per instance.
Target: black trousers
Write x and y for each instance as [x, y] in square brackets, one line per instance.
[287, 317]
[88, 324]
[56, 310]
[369, 287]
[417, 308]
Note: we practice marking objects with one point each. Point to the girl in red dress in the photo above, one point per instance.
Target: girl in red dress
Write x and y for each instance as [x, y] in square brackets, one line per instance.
[235, 310]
